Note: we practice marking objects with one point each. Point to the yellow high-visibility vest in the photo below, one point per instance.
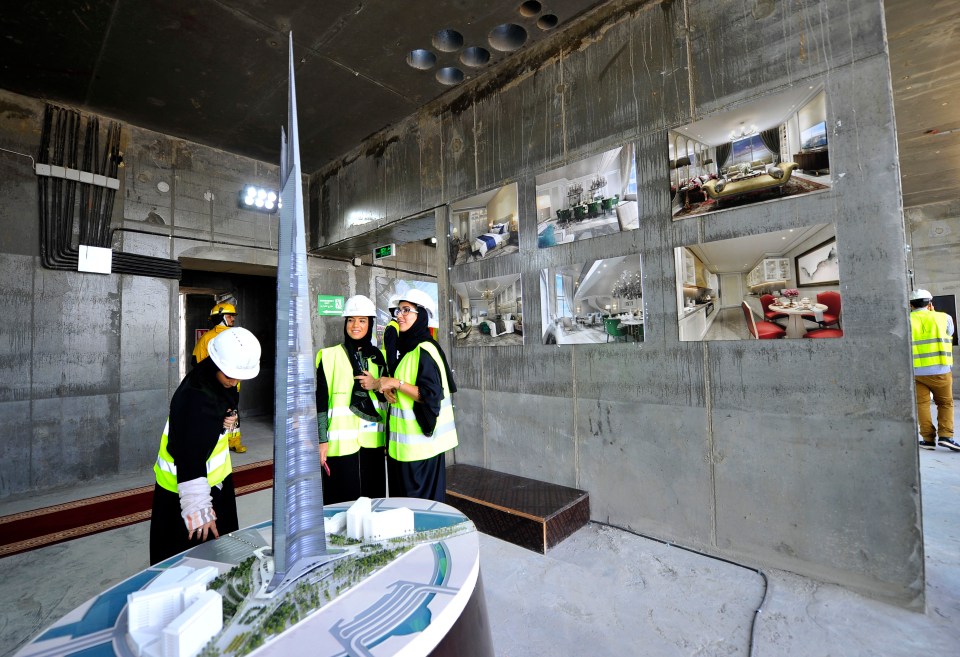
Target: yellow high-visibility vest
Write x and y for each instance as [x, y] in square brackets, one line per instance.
[218, 463]
[200, 351]
[931, 343]
[347, 433]
[407, 440]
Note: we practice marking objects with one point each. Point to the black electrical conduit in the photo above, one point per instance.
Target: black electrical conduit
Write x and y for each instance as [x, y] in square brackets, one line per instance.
[59, 145]
[766, 582]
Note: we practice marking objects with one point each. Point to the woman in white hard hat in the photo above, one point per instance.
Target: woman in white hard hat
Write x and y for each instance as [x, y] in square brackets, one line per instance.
[350, 418]
[421, 419]
[193, 499]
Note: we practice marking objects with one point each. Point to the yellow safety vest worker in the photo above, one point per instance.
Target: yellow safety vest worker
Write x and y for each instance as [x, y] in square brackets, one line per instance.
[931, 343]
[407, 440]
[347, 433]
[200, 351]
[218, 463]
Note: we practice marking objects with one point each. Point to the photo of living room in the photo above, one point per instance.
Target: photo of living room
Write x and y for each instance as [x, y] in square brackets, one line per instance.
[775, 147]
[784, 284]
[590, 197]
[484, 226]
[596, 302]
[488, 312]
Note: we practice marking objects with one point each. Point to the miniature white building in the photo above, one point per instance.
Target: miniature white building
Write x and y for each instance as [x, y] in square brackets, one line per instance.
[336, 523]
[162, 604]
[384, 525]
[191, 630]
[355, 515]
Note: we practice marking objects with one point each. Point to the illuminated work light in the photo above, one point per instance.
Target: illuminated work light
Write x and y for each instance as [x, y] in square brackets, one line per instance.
[259, 199]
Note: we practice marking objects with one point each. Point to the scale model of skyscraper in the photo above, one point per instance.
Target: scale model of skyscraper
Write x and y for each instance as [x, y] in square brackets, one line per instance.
[299, 543]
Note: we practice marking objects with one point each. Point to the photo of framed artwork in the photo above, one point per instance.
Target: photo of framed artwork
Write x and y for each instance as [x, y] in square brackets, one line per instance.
[818, 266]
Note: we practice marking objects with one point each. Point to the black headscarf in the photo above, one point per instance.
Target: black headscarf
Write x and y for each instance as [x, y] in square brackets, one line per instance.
[358, 352]
[418, 333]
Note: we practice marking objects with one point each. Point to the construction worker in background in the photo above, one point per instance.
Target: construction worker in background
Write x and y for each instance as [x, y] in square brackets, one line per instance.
[932, 335]
[194, 498]
[390, 333]
[222, 316]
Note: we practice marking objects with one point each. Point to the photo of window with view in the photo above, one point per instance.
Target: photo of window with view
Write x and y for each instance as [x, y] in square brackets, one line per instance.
[599, 301]
[777, 285]
[488, 312]
[588, 198]
[773, 148]
[484, 226]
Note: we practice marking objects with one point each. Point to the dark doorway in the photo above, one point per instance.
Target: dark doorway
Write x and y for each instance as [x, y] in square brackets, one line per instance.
[256, 300]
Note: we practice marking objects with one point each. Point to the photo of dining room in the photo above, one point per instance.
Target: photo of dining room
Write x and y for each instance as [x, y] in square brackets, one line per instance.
[780, 285]
[588, 198]
[488, 312]
[773, 148]
[484, 226]
[594, 302]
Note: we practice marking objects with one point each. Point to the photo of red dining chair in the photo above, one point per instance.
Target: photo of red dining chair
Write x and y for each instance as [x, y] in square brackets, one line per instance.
[824, 333]
[831, 316]
[761, 330]
[770, 315]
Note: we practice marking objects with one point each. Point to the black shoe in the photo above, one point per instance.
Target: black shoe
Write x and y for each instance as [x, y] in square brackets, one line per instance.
[928, 444]
[950, 444]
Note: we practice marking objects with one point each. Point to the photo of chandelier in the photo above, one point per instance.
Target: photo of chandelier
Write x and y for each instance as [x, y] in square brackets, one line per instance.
[628, 286]
[486, 289]
[743, 131]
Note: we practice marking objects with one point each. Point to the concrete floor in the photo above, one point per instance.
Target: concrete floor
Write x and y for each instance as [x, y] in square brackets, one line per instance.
[603, 591]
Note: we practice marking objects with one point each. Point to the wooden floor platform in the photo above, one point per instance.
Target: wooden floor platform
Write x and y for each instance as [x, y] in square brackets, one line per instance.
[529, 513]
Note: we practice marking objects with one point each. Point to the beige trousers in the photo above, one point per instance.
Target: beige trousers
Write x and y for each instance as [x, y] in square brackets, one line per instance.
[941, 387]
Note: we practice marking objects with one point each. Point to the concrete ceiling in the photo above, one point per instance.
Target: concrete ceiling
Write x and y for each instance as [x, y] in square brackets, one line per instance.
[213, 71]
[923, 41]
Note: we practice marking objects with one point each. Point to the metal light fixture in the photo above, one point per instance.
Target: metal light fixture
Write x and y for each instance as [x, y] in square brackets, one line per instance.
[743, 131]
[258, 199]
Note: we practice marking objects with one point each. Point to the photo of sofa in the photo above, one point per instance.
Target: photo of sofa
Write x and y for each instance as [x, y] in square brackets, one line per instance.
[727, 188]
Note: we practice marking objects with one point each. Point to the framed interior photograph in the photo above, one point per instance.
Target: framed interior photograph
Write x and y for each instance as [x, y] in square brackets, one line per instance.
[485, 226]
[489, 312]
[593, 302]
[772, 148]
[819, 266]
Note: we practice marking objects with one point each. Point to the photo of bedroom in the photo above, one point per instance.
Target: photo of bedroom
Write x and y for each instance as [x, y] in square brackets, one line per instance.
[588, 198]
[599, 301]
[484, 226]
[773, 148]
[490, 312]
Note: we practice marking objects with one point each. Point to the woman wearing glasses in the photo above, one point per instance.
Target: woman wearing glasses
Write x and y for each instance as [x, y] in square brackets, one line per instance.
[421, 409]
[350, 416]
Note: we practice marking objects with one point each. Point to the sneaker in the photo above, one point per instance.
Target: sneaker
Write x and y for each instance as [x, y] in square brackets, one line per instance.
[928, 444]
[950, 444]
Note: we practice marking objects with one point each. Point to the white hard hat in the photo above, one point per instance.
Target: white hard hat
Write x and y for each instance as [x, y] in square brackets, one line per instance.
[917, 295]
[236, 352]
[420, 298]
[394, 301]
[359, 306]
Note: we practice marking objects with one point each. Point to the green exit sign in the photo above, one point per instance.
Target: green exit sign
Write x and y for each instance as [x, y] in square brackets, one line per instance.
[385, 251]
[329, 306]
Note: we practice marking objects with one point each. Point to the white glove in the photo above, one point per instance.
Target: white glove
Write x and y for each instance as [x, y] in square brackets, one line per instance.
[196, 505]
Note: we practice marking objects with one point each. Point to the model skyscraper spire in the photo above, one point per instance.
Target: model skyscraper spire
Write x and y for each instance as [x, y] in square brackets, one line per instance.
[298, 538]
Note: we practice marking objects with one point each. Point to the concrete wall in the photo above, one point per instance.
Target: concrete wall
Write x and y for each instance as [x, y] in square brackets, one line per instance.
[795, 454]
